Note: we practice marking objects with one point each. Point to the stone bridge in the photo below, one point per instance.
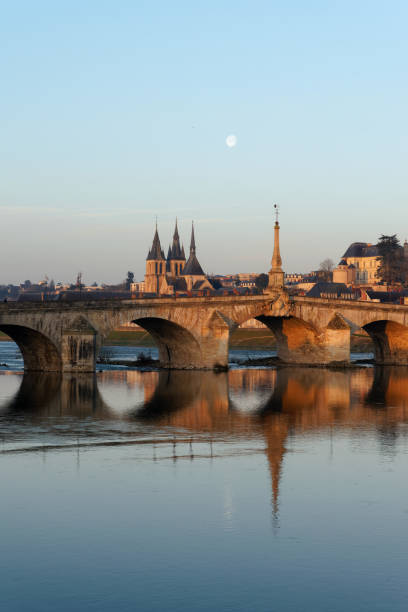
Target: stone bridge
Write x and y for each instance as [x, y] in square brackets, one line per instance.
[193, 332]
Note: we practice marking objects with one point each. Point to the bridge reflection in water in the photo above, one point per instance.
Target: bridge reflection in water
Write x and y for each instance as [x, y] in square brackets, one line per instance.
[268, 406]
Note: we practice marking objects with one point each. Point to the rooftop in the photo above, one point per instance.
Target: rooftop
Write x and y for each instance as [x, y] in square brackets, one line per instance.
[361, 249]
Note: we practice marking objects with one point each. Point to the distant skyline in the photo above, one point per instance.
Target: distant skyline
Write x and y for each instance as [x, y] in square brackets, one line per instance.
[113, 113]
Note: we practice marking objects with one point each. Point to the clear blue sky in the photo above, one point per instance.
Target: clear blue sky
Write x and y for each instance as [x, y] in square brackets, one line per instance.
[113, 112]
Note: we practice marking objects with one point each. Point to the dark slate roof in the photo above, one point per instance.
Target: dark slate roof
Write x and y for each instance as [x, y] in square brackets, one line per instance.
[32, 296]
[156, 250]
[179, 284]
[90, 296]
[328, 288]
[343, 263]
[198, 284]
[361, 249]
[192, 267]
[392, 297]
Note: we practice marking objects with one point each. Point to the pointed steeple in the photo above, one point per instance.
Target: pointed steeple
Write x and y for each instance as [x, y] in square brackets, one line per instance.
[192, 243]
[192, 267]
[175, 251]
[156, 252]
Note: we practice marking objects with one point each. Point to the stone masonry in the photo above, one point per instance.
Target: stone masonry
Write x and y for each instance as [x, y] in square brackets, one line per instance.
[193, 333]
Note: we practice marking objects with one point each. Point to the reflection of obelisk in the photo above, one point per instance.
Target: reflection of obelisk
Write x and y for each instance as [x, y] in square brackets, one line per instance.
[275, 426]
[276, 273]
[276, 431]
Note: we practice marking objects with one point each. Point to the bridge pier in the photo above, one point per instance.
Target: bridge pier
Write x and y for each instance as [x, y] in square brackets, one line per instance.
[300, 343]
[79, 347]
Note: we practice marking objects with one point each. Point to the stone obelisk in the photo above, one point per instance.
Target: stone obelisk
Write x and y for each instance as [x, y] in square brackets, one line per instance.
[276, 274]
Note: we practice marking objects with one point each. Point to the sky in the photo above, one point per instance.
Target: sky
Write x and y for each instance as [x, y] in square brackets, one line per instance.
[115, 112]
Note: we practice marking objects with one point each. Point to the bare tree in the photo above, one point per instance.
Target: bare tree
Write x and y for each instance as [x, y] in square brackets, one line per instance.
[326, 267]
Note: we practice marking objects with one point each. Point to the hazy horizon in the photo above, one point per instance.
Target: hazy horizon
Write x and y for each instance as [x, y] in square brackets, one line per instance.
[113, 114]
[166, 235]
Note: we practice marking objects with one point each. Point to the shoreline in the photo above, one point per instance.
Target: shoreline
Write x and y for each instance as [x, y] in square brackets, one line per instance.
[261, 362]
[245, 339]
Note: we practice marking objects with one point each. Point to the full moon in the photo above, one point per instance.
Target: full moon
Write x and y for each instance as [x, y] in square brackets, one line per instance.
[231, 140]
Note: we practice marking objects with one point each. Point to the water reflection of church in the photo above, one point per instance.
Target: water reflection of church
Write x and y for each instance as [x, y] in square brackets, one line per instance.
[206, 407]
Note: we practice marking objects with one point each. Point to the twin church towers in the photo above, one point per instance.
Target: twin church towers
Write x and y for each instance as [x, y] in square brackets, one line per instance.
[165, 276]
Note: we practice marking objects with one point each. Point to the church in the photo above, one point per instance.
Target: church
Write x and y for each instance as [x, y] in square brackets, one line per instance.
[167, 276]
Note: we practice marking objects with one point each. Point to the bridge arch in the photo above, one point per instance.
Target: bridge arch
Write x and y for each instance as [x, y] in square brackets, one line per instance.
[177, 346]
[305, 342]
[293, 335]
[39, 353]
[390, 341]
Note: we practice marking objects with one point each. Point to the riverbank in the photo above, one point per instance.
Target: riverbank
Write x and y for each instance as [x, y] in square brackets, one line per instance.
[245, 339]
[257, 362]
[241, 338]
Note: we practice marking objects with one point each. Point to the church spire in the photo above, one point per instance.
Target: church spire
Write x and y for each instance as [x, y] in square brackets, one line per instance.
[192, 267]
[156, 252]
[176, 251]
[192, 243]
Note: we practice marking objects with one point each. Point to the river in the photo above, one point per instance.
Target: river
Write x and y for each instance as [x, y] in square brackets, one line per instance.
[254, 489]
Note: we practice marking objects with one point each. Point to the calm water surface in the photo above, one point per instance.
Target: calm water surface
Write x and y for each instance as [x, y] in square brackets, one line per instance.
[250, 490]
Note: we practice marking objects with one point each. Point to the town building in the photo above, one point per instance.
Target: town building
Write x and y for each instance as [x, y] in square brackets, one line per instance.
[293, 278]
[364, 257]
[344, 273]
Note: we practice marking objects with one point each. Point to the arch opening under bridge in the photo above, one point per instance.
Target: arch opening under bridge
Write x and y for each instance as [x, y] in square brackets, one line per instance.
[390, 341]
[38, 351]
[299, 341]
[176, 345]
[251, 339]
